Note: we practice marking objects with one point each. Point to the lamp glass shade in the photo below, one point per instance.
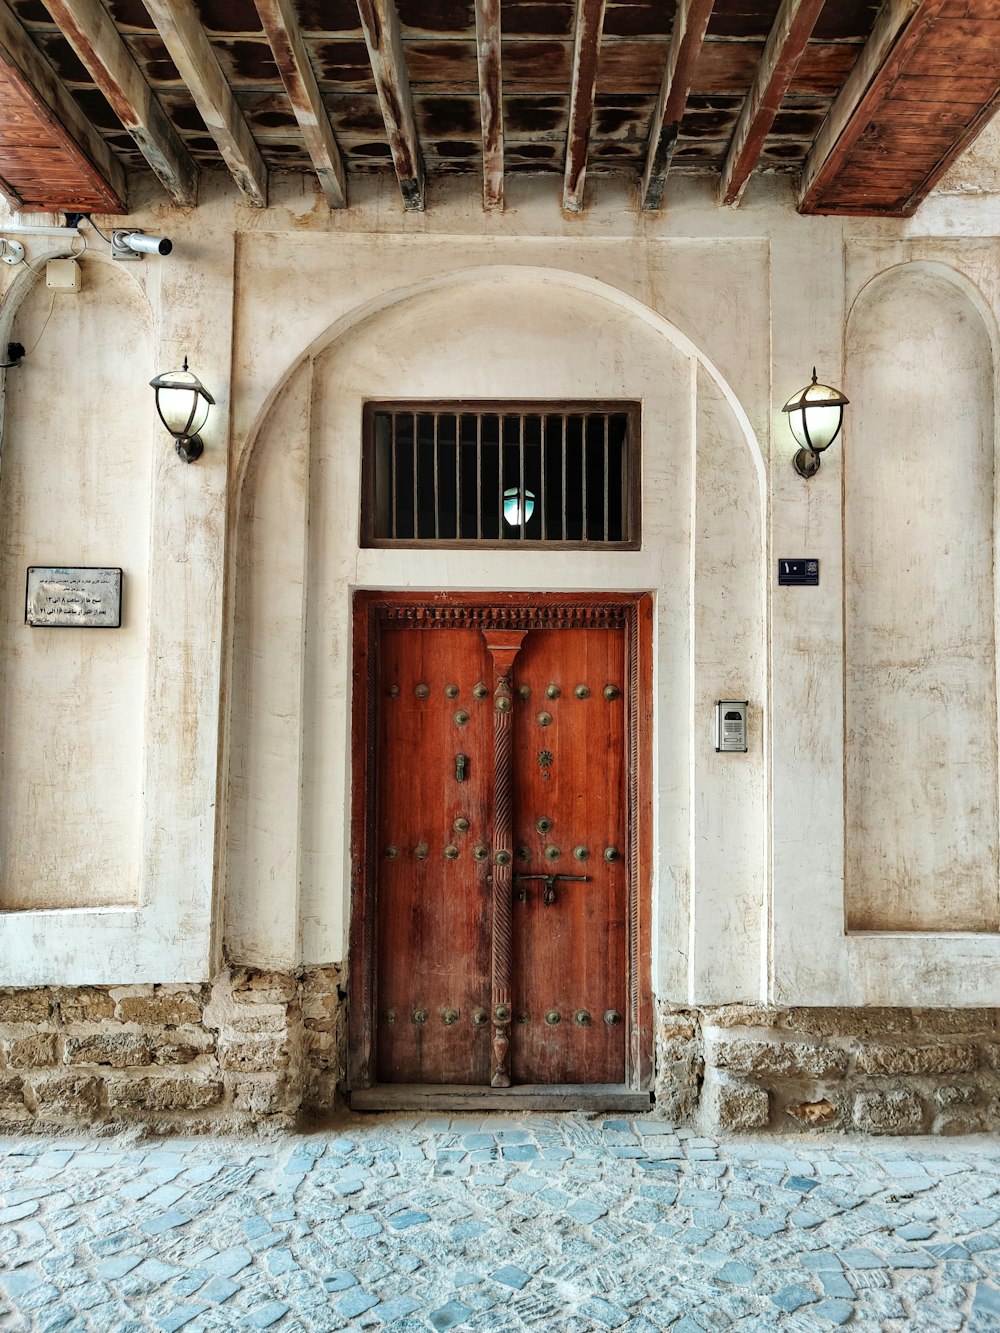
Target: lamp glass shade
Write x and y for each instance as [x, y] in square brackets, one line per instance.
[815, 415]
[182, 402]
[512, 506]
[182, 411]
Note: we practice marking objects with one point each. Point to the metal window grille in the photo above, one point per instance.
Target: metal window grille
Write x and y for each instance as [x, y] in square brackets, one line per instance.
[520, 474]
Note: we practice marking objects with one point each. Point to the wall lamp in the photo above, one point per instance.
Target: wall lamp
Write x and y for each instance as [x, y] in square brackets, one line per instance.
[183, 402]
[815, 416]
[512, 506]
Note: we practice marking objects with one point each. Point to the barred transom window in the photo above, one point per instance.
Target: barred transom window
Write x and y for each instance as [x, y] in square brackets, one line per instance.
[508, 474]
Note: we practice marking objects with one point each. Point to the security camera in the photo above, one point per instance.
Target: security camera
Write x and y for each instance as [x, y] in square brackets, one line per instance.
[135, 244]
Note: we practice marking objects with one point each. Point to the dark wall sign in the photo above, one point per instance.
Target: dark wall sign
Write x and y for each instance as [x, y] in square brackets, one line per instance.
[798, 573]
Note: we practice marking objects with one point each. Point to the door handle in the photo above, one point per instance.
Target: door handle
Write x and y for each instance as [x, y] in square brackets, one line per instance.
[549, 896]
[461, 760]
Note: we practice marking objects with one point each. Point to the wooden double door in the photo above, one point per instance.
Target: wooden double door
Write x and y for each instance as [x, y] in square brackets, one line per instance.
[501, 937]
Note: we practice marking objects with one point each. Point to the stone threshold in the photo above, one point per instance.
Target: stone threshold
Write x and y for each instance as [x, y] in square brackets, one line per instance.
[525, 1097]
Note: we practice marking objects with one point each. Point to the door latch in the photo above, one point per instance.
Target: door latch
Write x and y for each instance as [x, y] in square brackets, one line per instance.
[460, 762]
[549, 896]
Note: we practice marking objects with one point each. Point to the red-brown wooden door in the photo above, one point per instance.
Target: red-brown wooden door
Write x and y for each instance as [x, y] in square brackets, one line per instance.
[500, 852]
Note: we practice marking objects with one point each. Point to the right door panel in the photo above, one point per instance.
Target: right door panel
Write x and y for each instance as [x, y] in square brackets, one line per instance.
[570, 820]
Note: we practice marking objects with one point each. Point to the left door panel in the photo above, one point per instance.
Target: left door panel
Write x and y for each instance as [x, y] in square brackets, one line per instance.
[434, 763]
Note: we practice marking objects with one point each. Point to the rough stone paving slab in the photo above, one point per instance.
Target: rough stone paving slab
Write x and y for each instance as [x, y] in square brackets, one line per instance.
[536, 1223]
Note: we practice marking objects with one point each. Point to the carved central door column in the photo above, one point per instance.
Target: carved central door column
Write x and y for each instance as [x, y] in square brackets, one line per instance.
[503, 647]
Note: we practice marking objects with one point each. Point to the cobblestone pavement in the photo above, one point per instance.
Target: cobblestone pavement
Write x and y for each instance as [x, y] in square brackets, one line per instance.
[566, 1223]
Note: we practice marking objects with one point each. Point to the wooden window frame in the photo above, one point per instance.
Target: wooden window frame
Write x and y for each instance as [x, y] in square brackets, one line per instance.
[631, 489]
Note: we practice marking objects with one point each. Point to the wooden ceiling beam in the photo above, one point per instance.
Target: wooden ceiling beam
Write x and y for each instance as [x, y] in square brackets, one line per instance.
[13, 197]
[490, 101]
[864, 89]
[62, 115]
[90, 31]
[179, 26]
[380, 24]
[686, 40]
[586, 52]
[779, 60]
[282, 29]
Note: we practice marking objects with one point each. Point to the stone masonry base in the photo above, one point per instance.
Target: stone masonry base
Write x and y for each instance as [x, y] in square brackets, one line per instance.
[874, 1071]
[248, 1049]
[256, 1048]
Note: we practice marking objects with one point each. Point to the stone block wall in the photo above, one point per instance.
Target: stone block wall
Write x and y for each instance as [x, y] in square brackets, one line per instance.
[680, 1063]
[251, 1048]
[874, 1071]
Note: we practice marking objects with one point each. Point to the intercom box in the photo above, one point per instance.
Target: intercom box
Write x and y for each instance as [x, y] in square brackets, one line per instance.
[731, 725]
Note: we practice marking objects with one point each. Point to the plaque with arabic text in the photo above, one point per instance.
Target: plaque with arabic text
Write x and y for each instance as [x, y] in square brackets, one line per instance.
[71, 597]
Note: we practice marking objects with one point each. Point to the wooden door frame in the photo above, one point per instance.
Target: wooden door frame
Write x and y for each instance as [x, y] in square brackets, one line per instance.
[501, 610]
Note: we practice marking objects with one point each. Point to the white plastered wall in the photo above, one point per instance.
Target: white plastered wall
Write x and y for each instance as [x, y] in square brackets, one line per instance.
[102, 484]
[71, 707]
[266, 305]
[817, 959]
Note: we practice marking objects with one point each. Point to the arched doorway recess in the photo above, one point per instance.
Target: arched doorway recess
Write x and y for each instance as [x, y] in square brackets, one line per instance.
[492, 333]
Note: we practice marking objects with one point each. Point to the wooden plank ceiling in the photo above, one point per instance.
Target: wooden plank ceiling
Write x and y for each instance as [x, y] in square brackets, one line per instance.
[867, 101]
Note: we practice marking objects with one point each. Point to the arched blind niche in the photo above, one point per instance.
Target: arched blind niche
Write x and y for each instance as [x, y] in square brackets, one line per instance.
[920, 633]
[74, 491]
